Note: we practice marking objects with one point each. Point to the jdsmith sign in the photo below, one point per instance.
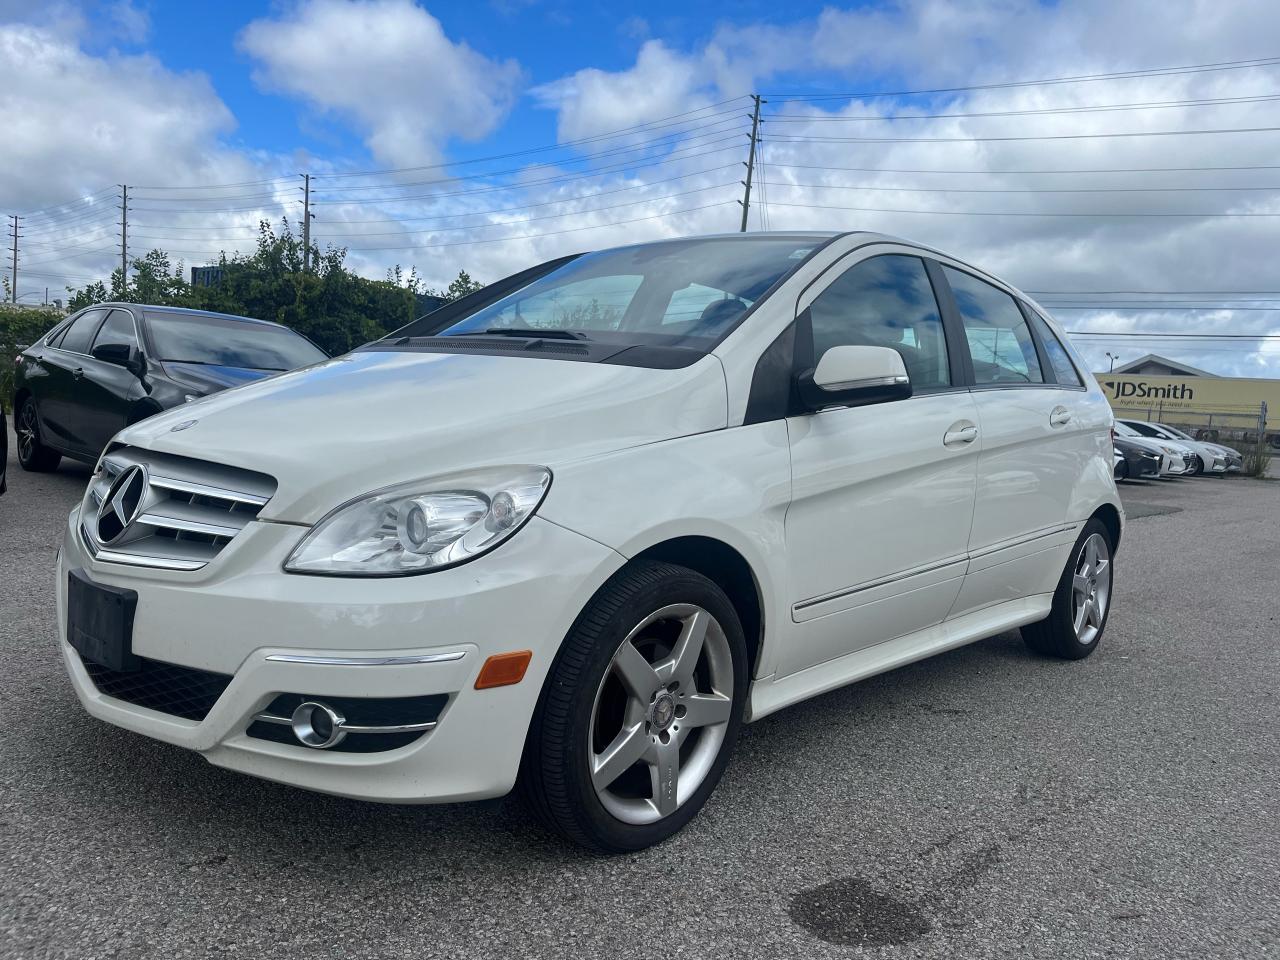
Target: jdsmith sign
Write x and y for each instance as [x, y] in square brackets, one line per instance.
[1233, 395]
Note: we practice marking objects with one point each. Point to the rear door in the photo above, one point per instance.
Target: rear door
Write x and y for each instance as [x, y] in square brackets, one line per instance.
[1028, 465]
[882, 495]
[107, 390]
[63, 366]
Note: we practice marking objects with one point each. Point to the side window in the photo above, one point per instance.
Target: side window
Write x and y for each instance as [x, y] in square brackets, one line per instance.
[1064, 371]
[596, 302]
[80, 334]
[999, 339]
[885, 302]
[117, 330]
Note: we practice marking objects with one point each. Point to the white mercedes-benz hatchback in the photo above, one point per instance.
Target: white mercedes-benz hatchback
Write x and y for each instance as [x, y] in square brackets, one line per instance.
[573, 530]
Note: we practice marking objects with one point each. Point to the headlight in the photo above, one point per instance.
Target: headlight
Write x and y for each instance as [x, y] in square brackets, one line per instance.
[1169, 450]
[422, 526]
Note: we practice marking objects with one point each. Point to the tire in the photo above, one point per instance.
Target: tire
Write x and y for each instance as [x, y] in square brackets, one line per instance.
[33, 455]
[1199, 467]
[1057, 634]
[1122, 470]
[621, 667]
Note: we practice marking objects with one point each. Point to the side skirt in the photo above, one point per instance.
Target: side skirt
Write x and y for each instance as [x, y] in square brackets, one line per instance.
[769, 696]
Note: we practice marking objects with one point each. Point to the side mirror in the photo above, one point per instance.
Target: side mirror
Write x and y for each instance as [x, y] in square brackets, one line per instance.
[121, 354]
[854, 376]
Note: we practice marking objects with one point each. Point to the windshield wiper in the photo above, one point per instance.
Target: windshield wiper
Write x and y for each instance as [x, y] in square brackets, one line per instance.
[528, 333]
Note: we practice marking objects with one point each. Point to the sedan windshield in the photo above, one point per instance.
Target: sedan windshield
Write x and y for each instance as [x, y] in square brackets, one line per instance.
[680, 293]
[228, 342]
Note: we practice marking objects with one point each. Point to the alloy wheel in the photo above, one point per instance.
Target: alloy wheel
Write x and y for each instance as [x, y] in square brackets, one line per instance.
[28, 432]
[660, 714]
[1091, 588]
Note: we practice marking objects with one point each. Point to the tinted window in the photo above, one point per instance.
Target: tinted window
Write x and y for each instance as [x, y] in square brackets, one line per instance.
[1144, 429]
[226, 342]
[116, 331]
[885, 302]
[1064, 371]
[678, 293]
[80, 333]
[999, 339]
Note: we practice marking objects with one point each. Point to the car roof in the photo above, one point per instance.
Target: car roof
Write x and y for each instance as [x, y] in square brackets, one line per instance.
[157, 308]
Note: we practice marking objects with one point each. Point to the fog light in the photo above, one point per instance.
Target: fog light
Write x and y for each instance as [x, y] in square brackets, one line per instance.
[318, 725]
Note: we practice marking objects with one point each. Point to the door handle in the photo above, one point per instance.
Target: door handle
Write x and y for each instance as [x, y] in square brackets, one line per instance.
[960, 434]
[78, 372]
[1059, 417]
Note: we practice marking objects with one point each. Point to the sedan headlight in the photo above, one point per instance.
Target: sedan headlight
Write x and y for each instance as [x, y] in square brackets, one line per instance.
[422, 526]
[1170, 451]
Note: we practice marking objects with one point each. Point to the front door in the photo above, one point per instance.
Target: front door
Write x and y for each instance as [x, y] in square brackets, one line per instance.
[882, 495]
[63, 365]
[107, 390]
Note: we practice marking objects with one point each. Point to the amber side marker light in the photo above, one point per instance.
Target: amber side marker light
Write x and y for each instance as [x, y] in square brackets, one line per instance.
[504, 669]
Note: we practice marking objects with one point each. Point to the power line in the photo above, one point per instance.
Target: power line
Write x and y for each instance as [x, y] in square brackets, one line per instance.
[802, 166]
[1052, 136]
[1081, 78]
[1029, 112]
[1019, 213]
[902, 189]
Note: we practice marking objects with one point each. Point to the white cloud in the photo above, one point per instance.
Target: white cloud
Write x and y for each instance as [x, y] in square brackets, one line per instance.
[76, 125]
[387, 67]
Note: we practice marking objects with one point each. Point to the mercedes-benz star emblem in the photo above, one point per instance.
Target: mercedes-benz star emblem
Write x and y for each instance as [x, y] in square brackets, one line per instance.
[121, 505]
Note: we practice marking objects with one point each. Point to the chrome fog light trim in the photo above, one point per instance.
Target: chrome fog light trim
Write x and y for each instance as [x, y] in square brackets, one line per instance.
[318, 725]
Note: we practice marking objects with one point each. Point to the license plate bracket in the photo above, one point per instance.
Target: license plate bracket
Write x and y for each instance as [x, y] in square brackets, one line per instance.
[100, 622]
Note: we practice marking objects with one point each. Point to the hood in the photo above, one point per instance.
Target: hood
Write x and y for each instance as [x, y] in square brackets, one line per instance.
[340, 429]
[1153, 444]
[210, 378]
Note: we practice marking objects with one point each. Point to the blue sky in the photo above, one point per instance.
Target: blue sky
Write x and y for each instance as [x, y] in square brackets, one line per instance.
[174, 97]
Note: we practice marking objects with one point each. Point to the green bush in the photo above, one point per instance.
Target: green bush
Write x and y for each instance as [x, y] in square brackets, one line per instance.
[18, 328]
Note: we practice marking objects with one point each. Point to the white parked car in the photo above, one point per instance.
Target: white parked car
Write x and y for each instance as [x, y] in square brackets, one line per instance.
[1207, 460]
[1230, 456]
[1176, 459]
[576, 528]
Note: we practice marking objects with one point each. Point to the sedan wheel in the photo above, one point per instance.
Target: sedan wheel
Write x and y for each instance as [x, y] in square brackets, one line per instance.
[32, 454]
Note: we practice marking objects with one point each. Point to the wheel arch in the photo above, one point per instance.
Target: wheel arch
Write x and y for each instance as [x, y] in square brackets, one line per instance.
[730, 570]
[1110, 517]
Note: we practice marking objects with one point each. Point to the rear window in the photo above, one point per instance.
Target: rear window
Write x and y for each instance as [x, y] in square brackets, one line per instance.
[227, 342]
[80, 333]
[1064, 371]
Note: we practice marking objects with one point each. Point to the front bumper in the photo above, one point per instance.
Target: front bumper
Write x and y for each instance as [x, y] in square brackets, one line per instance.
[241, 610]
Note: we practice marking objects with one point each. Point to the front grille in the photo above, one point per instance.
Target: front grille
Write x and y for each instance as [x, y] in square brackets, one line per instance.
[180, 691]
[187, 512]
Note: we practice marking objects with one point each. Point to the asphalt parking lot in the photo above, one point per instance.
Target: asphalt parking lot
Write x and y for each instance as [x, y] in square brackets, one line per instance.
[985, 803]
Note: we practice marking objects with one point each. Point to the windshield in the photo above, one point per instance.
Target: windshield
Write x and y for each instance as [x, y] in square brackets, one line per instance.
[226, 342]
[1125, 430]
[686, 293]
[1176, 432]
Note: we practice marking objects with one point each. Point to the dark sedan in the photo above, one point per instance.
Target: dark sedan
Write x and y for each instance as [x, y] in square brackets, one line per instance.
[1133, 462]
[114, 364]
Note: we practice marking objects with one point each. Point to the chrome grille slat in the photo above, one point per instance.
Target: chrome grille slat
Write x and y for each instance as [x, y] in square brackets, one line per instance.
[190, 510]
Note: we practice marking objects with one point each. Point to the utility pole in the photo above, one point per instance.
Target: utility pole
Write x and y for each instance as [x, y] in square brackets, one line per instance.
[124, 239]
[13, 277]
[306, 223]
[751, 159]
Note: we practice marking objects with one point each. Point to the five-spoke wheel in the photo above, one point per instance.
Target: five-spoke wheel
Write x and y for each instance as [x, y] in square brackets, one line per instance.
[660, 713]
[640, 710]
[1082, 600]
